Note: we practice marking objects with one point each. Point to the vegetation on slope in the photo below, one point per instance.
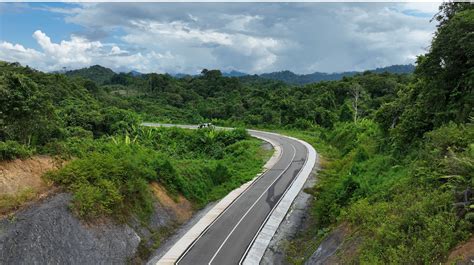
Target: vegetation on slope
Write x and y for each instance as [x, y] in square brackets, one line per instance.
[114, 159]
[404, 179]
[399, 146]
[112, 176]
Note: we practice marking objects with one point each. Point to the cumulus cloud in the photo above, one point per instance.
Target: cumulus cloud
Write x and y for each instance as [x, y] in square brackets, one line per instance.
[250, 37]
[79, 52]
[16, 52]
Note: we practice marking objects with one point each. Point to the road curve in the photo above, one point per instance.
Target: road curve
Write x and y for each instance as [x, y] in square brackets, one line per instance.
[229, 237]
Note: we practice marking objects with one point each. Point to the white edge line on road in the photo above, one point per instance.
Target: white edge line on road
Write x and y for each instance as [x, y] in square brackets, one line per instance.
[271, 212]
[183, 245]
[263, 238]
[253, 205]
[270, 163]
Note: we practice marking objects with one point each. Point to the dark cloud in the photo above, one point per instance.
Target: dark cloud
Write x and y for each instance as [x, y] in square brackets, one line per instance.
[258, 37]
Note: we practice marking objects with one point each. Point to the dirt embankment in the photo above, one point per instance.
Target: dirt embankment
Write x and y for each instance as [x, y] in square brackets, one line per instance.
[463, 254]
[21, 181]
[18, 174]
[181, 207]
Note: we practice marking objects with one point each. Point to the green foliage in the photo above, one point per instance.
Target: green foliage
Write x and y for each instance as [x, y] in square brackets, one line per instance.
[11, 150]
[96, 73]
[445, 76]
[415, 228]
[26, 113]
[111, 176]
[413, 210]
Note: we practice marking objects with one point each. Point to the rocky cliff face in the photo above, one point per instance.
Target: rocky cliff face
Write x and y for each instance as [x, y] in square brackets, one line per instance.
[48, 233]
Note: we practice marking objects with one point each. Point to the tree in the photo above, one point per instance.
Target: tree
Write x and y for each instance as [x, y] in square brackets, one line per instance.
[357, 93]
[26, 114]
[211, 74]
[444, 88]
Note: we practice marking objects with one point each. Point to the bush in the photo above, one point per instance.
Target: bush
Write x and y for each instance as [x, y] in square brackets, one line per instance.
[220, 174]
[11, 150]
[94, 200]
[111, 182]
[415, 228]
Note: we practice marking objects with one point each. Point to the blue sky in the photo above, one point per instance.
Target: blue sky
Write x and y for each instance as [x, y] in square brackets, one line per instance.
[187, 37]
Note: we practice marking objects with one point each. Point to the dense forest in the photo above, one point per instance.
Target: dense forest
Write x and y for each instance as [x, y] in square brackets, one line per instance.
[399, 148]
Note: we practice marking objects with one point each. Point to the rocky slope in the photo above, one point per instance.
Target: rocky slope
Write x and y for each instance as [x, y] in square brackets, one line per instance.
[48, 233]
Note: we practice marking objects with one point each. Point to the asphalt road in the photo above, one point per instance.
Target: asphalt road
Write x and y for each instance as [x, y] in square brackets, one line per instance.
[227, 239]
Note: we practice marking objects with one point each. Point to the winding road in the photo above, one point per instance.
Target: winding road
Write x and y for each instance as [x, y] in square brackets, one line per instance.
[229, 237]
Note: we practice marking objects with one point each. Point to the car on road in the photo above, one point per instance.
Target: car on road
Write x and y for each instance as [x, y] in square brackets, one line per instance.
[205, 125]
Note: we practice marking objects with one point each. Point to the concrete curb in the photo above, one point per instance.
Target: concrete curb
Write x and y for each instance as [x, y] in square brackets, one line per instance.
[262, 239]
[185, 242]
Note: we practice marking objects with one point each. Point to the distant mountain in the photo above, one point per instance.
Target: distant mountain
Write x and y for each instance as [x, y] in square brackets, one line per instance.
[135, 73]
[396, 69]
[96, 73]
[234, 73]
[292, 78]
[180, 75]
[101, 75]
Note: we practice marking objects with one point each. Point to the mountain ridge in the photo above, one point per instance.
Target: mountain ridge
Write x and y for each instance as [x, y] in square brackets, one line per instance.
[93, 73]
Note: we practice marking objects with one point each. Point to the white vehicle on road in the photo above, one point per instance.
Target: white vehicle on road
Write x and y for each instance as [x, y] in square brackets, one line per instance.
[205, 125]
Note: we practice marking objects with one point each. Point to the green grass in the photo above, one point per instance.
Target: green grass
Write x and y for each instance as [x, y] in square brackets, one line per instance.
[11, 202]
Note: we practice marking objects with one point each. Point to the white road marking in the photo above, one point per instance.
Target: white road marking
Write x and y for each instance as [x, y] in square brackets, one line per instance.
[251, 207]
[271, 212]
[228, 207]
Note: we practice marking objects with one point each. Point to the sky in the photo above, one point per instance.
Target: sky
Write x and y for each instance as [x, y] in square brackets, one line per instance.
[188, 37]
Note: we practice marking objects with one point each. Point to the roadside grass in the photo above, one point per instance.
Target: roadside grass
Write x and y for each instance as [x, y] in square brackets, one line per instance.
[12, 202]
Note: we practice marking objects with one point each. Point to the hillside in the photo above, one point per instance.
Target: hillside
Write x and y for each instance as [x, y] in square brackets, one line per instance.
[292, 78]
[103, 75]
[96, 73]
[111, 171]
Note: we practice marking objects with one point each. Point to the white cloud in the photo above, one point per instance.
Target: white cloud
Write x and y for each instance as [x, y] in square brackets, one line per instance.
[79, 52]
[260, 51]
[427, 8]
[16, 52]
[240, 22]
[249, 37]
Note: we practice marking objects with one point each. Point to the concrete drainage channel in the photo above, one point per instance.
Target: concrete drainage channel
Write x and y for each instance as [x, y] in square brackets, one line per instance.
[260, 242]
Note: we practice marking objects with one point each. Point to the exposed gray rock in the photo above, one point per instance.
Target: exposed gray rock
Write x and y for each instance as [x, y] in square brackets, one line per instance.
[328, 246]
[48, 233]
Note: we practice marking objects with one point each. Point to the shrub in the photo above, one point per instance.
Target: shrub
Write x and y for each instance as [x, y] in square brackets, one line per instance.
[94, 200]
[107, 183]
[220, 174]
[11, 150]
[111, 175]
